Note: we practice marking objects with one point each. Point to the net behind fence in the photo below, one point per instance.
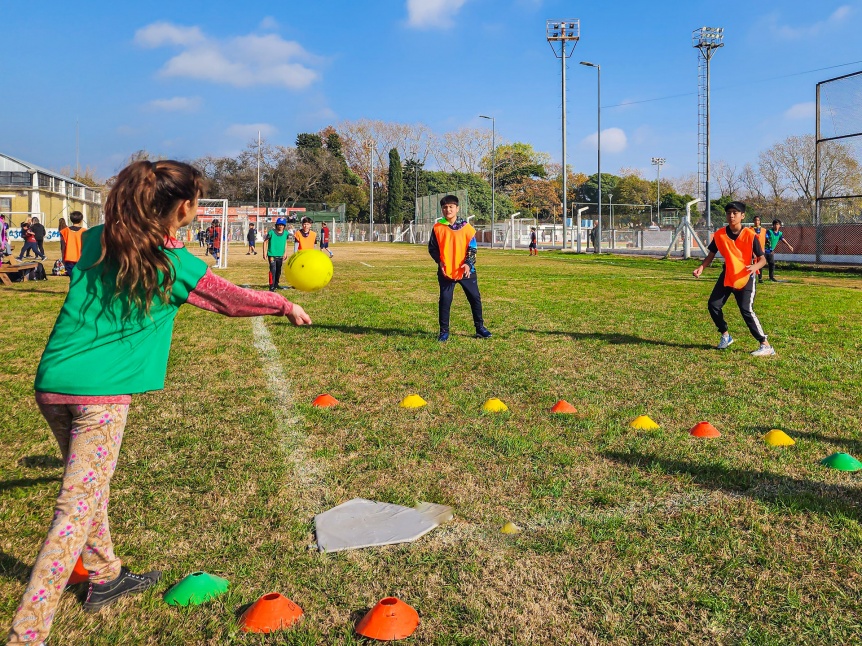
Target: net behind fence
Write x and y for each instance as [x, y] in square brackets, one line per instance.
[839, 151]
[428, 206]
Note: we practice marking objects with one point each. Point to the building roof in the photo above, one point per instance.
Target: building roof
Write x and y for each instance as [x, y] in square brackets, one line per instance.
[9, 163]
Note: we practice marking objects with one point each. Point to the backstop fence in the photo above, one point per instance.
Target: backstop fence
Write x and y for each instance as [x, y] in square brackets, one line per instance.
[838, 169]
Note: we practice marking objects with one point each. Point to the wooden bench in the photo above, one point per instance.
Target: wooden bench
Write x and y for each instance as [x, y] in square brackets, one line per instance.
[13, 268]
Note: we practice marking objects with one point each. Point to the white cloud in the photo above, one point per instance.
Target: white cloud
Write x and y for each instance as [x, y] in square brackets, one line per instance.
[249, 130]
[165, 33]
[811, 30]
[614, 140]
[176, 104]
[268, 24]
[805, 110]
[242, 61]
[425, 14]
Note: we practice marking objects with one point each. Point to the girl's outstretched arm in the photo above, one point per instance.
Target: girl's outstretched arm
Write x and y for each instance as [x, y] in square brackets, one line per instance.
[215, 294]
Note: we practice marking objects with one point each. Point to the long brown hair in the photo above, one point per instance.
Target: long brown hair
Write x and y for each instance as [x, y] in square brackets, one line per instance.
[138, 214]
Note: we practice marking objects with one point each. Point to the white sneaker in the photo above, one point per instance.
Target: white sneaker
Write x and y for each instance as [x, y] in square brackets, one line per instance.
[765, 350]
[725, 341]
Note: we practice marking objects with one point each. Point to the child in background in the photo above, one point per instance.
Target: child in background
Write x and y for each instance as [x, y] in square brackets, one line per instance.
[215, 249]
[274, 248]
[324, 239]
[111, 340]
[533, 250]
[71, 240]
[305, 238]
[773, 237]
[452, 245]
[760, 232]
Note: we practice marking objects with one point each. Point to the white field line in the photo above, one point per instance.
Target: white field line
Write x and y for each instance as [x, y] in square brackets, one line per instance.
[307, 472]
[365, 263]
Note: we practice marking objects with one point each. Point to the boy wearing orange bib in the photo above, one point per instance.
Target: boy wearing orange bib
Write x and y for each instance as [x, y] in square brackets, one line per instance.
[452, 245]
[305, 238]
[743, 257]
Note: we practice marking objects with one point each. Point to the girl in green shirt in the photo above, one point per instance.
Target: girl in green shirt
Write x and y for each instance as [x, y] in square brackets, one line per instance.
[111, 340]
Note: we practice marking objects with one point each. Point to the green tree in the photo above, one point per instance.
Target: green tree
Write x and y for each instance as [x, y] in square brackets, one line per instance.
[395, 189]
[589, 190]
[515, 163]
[478, 192]
[309, 141]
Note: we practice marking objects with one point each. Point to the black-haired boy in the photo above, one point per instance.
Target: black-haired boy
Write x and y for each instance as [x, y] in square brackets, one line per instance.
[452, 245]
[739, 247]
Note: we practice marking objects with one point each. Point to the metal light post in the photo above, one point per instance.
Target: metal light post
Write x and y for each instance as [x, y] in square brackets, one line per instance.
[658, 162]
[370, 144]
[707, 40]
[493, 173]
[599, 148]
[563, 31]
[257, 211]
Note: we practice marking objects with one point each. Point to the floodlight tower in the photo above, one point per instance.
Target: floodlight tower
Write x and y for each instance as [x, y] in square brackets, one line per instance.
[658, 162]
[706, 40]
[562, 32]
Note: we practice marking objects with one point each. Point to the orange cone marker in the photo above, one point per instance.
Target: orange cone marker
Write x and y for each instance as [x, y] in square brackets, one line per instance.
[563, 407]
[390, 619]
[704, 430]
[79, 574]
[270, 613]
[324, 401]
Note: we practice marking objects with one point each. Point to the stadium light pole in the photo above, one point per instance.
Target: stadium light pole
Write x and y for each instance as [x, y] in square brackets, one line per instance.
[563, 31]
[707, 40]
[370, 144]
[493, 173]
[658, 162]
[599, 149]
[257, 210]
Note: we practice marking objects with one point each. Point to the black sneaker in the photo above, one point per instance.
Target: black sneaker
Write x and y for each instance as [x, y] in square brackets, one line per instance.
[100, 595]
[443, 337]
[483, 333]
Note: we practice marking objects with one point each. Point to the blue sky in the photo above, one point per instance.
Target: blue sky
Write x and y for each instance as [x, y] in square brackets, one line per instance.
[186, 79]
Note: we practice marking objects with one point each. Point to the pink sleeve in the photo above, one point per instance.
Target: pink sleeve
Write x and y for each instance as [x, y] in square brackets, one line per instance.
[216, 294]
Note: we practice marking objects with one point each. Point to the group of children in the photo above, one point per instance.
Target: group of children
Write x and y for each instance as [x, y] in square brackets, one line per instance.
[276, 242]
[132, 277]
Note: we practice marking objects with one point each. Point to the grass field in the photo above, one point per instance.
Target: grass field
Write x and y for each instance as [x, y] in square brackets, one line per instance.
[630, 537]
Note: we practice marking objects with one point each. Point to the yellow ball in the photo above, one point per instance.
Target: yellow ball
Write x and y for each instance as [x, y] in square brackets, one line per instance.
[309, 270]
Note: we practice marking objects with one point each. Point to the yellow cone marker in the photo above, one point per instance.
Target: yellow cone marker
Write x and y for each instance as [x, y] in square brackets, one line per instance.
[494, 405]
[510, 528]
[412, 401]
[643, 423]
[777, 437]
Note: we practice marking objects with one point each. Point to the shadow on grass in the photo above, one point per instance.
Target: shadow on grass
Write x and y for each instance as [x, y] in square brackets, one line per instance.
[615, 338]
[382, 331]
[849, 443]
[12, 568]
[27, 482]
[791, 493]
[40, 462]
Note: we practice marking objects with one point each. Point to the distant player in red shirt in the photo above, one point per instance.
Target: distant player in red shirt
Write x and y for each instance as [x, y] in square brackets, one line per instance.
[324, 239]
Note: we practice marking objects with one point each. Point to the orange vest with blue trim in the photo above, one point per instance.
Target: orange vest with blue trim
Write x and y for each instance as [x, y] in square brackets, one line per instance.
[453, 248]
[737, 255]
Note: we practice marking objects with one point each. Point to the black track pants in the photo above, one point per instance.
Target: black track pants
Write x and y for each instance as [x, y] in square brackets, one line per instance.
[471, 290]
[745, 301]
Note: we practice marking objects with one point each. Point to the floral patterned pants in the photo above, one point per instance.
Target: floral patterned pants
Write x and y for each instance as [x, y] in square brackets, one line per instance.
[89, 437]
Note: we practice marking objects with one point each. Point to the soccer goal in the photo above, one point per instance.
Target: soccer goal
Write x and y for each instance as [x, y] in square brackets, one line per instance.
[215, 210]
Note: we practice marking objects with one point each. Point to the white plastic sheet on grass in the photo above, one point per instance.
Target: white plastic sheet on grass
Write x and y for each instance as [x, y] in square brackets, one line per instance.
[362, 523]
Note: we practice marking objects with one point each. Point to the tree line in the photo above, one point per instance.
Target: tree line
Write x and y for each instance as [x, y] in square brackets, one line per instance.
[334, 166]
